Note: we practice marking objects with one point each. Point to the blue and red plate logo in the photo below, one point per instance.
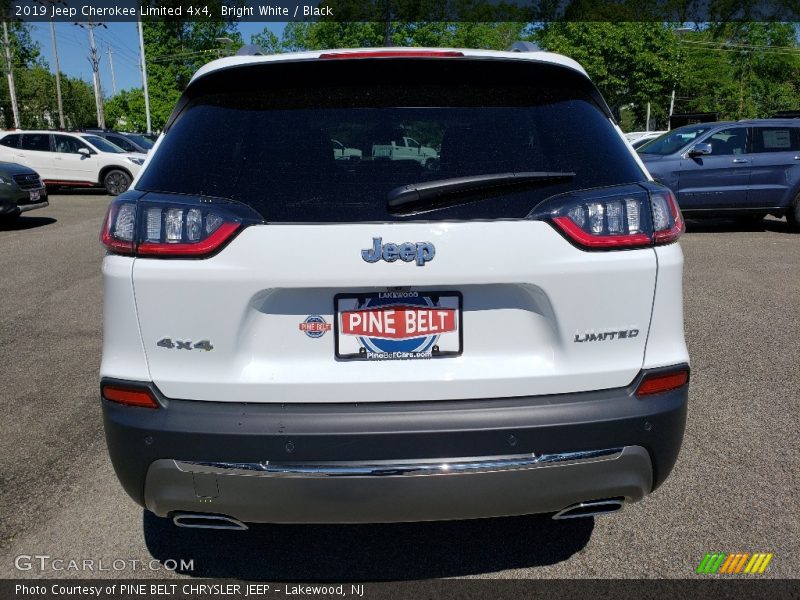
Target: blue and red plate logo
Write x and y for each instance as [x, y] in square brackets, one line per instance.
[315, 326]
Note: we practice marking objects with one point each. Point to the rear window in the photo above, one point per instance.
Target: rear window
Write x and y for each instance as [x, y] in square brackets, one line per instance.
[330, 145]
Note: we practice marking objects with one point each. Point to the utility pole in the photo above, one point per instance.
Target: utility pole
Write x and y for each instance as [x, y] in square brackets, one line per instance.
[111, 64]
[11, 88]
[58, 75]
[144, 77]
[94, 59]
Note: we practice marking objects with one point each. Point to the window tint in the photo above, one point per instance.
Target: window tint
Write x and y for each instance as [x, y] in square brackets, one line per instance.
[68, 144]
[776, 139]
[102, 144]
[728, 141]
[672, 141]
[36, 141]
[143, 141]
[12, 141]
[273, 149]
[122, 143]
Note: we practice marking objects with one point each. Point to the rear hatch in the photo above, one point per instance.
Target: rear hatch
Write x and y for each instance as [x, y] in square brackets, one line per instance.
[328, 291]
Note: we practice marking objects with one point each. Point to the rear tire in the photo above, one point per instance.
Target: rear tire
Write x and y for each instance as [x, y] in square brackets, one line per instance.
[116, 181]
[793, 215]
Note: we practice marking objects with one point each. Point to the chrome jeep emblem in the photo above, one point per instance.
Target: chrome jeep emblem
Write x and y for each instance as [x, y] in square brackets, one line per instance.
[419, 252]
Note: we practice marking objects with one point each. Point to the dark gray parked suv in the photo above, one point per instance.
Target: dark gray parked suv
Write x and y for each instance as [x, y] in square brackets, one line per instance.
[21, 190]
[745, 169]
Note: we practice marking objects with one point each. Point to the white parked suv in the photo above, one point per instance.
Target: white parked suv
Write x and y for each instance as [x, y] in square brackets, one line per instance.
[323, 341]
[65, 159]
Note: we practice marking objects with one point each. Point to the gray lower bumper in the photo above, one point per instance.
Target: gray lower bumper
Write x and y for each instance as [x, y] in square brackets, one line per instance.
[26, 207]
[397, 492]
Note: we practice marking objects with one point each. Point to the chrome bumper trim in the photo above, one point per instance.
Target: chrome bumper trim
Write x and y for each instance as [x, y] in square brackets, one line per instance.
[392, 468]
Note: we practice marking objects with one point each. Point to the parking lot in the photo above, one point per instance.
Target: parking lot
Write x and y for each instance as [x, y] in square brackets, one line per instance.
[735, 487]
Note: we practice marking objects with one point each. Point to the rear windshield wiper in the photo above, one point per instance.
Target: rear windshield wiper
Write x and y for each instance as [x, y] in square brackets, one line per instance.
[444, 193]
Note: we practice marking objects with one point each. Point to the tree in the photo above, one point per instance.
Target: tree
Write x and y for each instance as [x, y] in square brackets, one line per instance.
[175, 50]
[741, 70]
[126, 110]
[267, 41]
[631, 63]
[322, 35]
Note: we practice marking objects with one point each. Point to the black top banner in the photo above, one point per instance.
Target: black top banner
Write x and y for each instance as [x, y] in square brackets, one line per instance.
[682, 11]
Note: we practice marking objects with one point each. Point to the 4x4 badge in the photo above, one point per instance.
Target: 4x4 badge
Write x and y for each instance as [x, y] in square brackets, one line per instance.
[421, 252]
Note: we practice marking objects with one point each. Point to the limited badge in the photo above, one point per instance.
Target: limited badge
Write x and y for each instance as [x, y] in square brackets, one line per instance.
[315, 326]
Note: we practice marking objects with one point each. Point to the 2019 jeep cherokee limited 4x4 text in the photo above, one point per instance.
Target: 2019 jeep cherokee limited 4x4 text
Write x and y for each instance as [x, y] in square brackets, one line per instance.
[292, 338]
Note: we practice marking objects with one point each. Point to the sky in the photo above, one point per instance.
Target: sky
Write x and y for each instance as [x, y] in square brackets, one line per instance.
[122, 38]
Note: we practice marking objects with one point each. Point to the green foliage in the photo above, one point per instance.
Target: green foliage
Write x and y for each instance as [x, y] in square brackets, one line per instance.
[741, 70]
[36, 88]
[175, 50]
[323, 35]
[736, 69]
[631, 63]
[126, 111]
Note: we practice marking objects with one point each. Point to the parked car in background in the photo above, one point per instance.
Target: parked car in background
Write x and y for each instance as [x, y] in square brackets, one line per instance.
[640, 137]
[129, 142]
[323, 341]
[406, 148]
[745, 169]
[642, 140]
[342, 152]
[66, 159]
[21, 190]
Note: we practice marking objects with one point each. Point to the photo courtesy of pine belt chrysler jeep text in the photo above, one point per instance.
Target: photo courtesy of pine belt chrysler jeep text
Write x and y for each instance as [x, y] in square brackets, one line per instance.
[290, 337]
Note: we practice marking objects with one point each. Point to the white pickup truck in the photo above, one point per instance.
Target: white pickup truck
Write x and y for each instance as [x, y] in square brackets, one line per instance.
[407, 149]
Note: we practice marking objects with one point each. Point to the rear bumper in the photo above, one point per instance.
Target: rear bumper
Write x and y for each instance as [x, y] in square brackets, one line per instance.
[346, 463]
[18, 201]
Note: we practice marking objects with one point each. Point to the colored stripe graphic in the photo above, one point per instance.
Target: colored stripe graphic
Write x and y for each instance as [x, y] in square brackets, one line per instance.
[742, 560]
[711, 562]
[729, 564]
[732, 558]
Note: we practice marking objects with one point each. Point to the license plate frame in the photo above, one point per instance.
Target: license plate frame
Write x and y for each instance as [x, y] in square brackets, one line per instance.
[419, 301]
[35, 195]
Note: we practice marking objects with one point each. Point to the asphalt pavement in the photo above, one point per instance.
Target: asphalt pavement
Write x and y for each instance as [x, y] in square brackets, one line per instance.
[734, 489]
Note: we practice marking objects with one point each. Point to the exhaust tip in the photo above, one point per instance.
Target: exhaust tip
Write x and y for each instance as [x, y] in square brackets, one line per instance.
[591, 508]
[205, 521]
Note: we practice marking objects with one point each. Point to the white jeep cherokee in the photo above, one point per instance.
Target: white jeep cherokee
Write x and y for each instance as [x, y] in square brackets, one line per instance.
[295, 339]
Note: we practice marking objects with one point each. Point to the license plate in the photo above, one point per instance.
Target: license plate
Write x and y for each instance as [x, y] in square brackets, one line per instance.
[35, 195]
[398, 325]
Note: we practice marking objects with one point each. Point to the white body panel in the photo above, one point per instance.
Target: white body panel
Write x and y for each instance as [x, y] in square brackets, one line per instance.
[527, 294]
[666, 344]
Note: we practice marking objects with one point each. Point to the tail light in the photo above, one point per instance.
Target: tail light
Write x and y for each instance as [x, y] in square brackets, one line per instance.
[663, 381]
[616, 217]
[129, 396]
[162, 226]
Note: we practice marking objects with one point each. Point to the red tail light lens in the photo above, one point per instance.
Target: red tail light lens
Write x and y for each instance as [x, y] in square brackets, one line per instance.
[165, 227]
[617, 217]
[129, 396]
[657, 383]
[668, 223]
